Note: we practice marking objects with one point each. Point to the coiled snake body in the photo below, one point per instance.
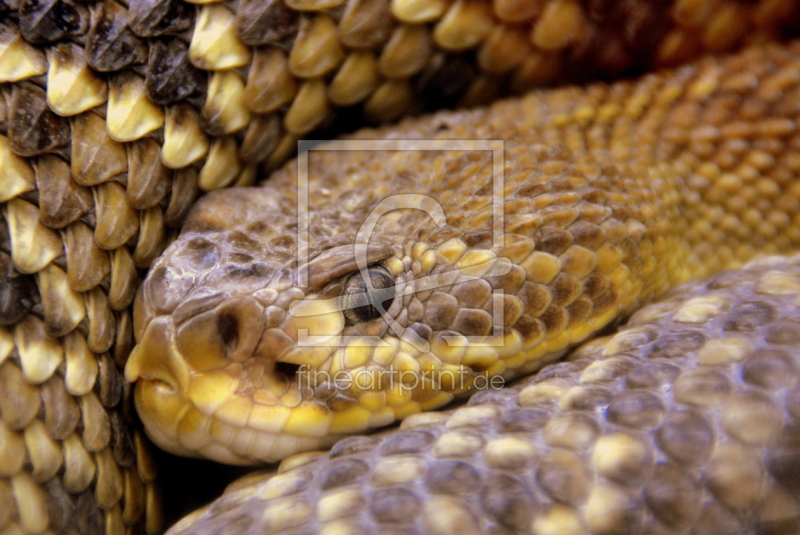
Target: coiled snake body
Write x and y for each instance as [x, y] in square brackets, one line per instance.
[607, 203]
[400, 268]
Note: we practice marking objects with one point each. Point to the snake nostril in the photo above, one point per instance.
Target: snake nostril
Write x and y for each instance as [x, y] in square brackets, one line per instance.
[287, 369]
[229, 330]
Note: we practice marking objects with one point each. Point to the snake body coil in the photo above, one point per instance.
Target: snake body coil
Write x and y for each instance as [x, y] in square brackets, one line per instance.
[686, 421]
[609, 196]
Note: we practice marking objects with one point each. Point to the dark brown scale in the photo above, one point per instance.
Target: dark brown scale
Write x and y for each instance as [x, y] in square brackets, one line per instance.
[511, 283]
[61, 506]
[657, 375]
[783, 463]
[565, 289]
[61, 411]
[440, 310]
[170, 75]
[343, 472]
[508, 501]
[352, 445]
[21, 401]
[564, 477]
[784, 332]
[553, 240]
[47, 21]
[587, 234]
[32, 128]
[5, 238]
[61, 200]
[261, 138]
[149, 180]
[522, 421]
[394, 505]
[677, 345]
[636, 409]
[262, 22]
[18, 294]
[451, 477]
[472, 322]
[121, 441]
[201, 253]
[408, 442]
[88, 515]
[535, 297]
[702, 387]
[579, 310]
[472, 294]
[530, 328]
[749, 316]
[588, 398]
[555, 319]
[156, 18]
[512, 310]
[111, 45]
[673, 495]
[478, 239]
[109, 385]
[445, 79]
[686, 437]
[772, 369]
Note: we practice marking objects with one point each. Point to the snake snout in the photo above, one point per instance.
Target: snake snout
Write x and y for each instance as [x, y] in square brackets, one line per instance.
[240, 322]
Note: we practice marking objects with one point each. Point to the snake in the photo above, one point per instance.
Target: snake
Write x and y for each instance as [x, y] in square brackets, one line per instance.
[239, 361]
[398, 269]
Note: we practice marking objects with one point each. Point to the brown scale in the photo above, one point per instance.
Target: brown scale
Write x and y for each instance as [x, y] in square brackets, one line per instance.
[597, 444]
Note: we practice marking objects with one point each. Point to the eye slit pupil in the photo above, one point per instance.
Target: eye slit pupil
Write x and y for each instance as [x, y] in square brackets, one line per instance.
[353, 299]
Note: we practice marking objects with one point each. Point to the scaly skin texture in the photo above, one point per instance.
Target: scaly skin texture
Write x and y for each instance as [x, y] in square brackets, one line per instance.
[611, 195]
[115, 116]
[686, 421]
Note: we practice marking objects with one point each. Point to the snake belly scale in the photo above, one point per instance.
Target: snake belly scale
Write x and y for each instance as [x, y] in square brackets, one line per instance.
[611, 196]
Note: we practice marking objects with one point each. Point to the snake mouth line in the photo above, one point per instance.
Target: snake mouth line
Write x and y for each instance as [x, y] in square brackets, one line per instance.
[167, 387]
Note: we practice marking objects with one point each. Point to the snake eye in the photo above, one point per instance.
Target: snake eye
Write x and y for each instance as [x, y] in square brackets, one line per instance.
[359, 303]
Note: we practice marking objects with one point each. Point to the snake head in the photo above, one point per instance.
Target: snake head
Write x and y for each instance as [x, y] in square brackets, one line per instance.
[241, 361]
[226, 333]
